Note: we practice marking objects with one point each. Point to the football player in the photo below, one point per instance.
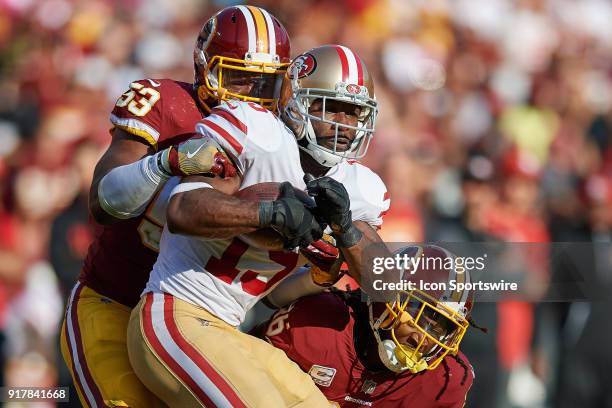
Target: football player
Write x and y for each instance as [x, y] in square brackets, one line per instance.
[183, 339]
[241, 53]
[397, 354]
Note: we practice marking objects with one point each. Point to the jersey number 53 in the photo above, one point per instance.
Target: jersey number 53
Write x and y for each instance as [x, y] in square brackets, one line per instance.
[138, 99]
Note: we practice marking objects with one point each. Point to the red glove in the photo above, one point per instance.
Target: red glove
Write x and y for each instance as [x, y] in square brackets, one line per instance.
[325, 260]
[198, 155]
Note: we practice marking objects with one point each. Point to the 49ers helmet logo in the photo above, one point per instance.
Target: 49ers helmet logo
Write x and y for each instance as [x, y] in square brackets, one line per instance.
[353, 89]
[304, 65]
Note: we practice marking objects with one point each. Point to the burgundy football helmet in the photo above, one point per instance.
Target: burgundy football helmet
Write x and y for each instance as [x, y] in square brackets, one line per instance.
[241, 53]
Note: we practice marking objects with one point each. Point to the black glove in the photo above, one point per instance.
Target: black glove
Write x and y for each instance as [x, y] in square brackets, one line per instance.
[333, 207]
[290, 218]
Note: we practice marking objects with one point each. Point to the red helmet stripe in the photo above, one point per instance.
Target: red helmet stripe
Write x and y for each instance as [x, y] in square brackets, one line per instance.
[344, 62]
[353, 62]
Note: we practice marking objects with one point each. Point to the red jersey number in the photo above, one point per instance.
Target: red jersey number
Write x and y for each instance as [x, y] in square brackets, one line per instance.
[225, 268]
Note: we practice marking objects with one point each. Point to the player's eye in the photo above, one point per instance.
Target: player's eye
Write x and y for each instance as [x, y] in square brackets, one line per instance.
[316, 106]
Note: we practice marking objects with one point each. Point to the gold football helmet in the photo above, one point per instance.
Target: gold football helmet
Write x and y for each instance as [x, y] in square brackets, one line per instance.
[330, 73]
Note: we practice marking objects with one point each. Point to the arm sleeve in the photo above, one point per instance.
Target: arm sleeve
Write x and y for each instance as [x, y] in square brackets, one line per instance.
[126, 190]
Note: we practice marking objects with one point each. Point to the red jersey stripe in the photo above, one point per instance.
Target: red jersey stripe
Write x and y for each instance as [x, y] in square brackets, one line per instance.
[224, 134]
[231, 119]
[208, 370]
[76, 340]
[158, 348]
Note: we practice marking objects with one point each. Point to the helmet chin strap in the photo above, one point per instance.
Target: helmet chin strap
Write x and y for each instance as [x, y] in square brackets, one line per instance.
[390, 355]
[316, 155]
[397, 360]
[386, 353]
[323, 157]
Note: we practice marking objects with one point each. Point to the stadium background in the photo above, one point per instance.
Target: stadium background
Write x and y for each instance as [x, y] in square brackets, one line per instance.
[495, 123]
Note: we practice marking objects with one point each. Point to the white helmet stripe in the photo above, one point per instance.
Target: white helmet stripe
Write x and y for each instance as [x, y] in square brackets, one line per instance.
[250, 28]
[271, 32]
[448, 293]
[352, 65]
[463, 277]
[464, 296]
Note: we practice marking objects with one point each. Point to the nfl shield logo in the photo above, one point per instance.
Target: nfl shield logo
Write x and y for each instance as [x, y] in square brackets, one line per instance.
[368, 387]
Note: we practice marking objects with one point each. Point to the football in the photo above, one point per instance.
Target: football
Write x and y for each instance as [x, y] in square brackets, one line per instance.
[267, 238]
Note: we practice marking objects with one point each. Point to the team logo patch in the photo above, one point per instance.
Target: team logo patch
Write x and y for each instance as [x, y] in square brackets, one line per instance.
[321, 375]
[207, 34]
[368, 387]
[352, 89]
[304, 65]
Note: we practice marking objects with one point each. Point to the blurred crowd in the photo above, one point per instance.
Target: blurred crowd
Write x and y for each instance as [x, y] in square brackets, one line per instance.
[495, 124]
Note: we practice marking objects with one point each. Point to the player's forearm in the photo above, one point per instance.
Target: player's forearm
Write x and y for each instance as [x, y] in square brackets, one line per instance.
[125, 191]
[294, 287]
[210, 213]
[360, 257]
[125, 149]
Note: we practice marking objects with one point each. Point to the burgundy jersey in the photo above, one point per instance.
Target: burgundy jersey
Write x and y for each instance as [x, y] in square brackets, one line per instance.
[162, 112]
[317, 332]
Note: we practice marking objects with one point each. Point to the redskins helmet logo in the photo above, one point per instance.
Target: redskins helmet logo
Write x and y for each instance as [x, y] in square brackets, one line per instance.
[304, 65]
[207, 33]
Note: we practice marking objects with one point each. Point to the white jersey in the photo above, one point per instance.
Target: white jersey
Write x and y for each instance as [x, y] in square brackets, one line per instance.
[227, 277]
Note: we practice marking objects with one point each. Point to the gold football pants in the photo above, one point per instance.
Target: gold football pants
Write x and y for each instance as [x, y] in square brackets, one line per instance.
[190, 358]
[93, 343]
